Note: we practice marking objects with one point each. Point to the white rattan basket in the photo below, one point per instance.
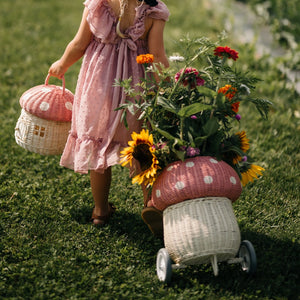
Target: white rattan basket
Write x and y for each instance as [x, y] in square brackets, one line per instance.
[41, 136]
[202, 230]
[45, 119]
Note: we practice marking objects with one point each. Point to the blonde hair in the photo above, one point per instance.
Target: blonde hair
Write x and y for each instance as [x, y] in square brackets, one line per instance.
[123, 6]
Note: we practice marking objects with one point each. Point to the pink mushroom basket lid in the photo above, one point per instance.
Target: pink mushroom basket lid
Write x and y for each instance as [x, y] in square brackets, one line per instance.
[49, 102]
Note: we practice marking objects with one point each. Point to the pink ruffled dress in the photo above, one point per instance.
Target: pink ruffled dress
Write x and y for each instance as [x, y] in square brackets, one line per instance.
[97, 135]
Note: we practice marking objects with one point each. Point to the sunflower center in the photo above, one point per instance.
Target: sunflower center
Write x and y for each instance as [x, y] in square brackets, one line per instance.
[142, 153]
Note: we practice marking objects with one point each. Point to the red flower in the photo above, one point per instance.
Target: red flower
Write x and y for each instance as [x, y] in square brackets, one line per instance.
[226, 52]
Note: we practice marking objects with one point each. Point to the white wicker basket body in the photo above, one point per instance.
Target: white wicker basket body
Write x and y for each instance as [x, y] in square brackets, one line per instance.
[197, 230]
[40, 135]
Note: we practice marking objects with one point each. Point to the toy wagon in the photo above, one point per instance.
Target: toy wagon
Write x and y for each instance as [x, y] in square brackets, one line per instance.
[200, 229]
[45, 119]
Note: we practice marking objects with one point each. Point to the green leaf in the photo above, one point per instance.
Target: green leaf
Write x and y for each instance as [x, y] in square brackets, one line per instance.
[263, 106]
[235, 149]
[193, 109]
[220, 101]
[166, 104]
[211, 126]
[191, 139]
[167, 135]
[179, 154]
[131, 109]
[199, 140]
[124, 118]
[206, 91]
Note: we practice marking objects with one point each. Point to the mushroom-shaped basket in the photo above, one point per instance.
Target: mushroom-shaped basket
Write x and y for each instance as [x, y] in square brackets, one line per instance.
[197, 177]
[45, 119]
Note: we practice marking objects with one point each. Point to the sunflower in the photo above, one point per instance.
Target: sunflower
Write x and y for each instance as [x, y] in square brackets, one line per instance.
[142, 149]
[142, 139]
[241, 141]
[243, 145]
[250, 173]
[148, 176]
[244, 141]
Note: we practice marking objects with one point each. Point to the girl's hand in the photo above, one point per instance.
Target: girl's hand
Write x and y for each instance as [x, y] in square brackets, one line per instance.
[57, 70]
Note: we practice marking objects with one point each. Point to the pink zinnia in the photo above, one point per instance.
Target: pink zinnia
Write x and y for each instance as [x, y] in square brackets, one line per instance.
[190, 78]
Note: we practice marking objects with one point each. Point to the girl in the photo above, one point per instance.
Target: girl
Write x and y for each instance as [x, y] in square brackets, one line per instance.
[111, 35]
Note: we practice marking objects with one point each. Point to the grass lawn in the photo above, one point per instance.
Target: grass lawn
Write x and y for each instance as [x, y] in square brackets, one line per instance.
[48, 248]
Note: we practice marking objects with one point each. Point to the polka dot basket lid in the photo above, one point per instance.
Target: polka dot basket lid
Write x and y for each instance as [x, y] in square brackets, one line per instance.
[49, 102]
[197, 177]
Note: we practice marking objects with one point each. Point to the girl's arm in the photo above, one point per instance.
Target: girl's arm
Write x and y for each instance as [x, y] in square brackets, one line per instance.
[156, 42]
[75, 49]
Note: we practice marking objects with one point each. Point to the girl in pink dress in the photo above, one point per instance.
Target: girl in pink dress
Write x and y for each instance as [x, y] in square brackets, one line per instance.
[111, 35]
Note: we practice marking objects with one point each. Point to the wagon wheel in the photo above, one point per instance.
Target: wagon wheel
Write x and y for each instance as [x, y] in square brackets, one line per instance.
[163, 265]
[247, 253]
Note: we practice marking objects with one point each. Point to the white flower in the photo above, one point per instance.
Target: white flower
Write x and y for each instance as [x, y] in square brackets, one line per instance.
[244, 87]
[176, 58]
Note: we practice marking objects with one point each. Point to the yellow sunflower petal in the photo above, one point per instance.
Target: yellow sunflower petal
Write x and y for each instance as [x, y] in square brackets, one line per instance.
[244, 141]
[251, 174]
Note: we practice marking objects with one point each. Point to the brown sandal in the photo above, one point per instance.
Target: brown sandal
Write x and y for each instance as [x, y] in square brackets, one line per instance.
[154, 219]
[103, 219]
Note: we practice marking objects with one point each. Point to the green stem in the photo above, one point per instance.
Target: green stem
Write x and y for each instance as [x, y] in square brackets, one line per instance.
[221, 70]
[218, 84]
[214, 102]
[181, 125]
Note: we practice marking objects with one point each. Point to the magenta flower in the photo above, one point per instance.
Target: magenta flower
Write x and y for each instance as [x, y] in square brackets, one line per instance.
[238, 117]
[191, 152]
[194, 117]
[190, 78]
[159, 146]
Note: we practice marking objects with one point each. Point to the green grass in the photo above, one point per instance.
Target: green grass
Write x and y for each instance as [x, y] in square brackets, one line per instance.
[48, 248]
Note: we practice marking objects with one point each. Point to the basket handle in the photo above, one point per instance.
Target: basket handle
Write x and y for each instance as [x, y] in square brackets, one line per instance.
[63, 80]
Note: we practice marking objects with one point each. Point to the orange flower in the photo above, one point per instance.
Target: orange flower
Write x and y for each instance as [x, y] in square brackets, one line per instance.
[235, 107]
[229, 92]
[145, 59]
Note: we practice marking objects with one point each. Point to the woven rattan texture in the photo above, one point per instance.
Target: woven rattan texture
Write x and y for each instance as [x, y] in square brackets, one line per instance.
[195, 230]
[196, 177]
[49, 102]
[40, 135]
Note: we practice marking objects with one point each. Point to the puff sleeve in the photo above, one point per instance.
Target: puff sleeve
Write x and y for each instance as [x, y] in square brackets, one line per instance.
[160, 11]
[99, 19]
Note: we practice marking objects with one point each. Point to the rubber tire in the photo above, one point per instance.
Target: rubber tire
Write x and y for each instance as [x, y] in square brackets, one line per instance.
[163, 266]
[247, 252]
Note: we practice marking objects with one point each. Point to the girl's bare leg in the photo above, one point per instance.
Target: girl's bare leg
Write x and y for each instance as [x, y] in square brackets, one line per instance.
[100, 184]
[146, 195]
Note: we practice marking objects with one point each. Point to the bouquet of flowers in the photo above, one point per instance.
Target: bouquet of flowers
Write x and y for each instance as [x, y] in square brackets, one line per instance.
[191, 111]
